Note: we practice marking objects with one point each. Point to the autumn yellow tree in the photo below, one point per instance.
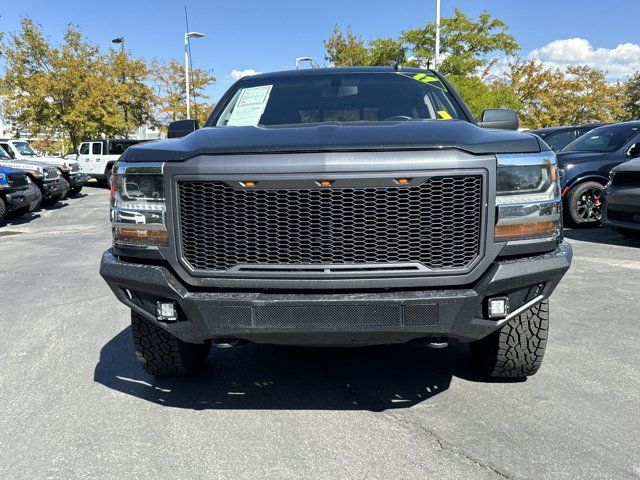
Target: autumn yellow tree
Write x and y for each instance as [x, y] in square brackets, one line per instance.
[550, 96]
[169, 84]
[71, 88]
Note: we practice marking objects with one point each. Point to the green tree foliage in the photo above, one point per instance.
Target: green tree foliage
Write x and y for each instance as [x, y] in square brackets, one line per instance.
[169, 82]
[71, 88]
[466, 46]
[631, 94]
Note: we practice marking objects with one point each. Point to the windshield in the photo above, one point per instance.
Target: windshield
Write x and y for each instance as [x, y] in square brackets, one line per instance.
[603, 139]
[339, 98]
[24, 148]
[3, 154]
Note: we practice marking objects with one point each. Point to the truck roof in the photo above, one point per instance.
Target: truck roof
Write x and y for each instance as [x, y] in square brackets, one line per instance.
[337, 70]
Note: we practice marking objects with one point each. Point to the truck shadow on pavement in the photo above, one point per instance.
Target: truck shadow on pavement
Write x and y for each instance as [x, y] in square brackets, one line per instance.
[292, 378]
[602, 235]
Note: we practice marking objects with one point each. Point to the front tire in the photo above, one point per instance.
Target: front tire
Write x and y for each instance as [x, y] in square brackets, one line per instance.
[584, 204]
[3, 209]
[515, 350]
[161, 354]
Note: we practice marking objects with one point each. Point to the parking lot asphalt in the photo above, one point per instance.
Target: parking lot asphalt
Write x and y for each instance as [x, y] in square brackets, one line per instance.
[75, 404]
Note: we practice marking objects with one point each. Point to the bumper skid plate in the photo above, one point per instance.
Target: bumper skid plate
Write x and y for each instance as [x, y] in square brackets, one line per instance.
[337, 317]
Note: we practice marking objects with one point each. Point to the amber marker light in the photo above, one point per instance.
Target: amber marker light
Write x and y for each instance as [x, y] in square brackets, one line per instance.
[141, 237]
[325, 183]
[402, 181]
[249, 184]
[535, 229]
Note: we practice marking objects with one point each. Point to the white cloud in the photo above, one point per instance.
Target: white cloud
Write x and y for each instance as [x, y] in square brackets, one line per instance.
[238, 74]
[619, 62]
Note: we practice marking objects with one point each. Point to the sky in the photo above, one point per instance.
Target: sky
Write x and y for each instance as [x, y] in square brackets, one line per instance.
[266, 35]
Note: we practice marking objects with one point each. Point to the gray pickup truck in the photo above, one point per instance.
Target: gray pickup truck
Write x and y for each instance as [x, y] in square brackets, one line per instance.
[348, 207]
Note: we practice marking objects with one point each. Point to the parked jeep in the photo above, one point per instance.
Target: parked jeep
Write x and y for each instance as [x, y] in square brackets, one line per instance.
[46, 177]
[346, 206]
[17, 194]
[69, 169]
[97, 157]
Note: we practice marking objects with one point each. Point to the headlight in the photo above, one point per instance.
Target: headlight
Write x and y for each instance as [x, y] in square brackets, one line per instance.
[3, 180]
[528, 197]
[138, 205]
[526, 183]
[63, 169]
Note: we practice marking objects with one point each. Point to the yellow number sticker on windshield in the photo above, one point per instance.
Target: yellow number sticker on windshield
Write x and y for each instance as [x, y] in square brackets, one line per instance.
[444, 114]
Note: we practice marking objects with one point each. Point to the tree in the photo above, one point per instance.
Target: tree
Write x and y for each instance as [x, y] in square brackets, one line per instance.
[631, 94]
[465, 51]
[347, 50]
[554, 97]
[465, 44]
[169, 81]
[71, 88]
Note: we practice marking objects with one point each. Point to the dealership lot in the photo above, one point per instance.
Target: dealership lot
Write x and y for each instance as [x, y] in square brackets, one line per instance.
[75, 404]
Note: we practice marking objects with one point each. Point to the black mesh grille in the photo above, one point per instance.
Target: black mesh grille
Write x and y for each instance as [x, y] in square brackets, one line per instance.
[626, 179]
[17, 180]
[436, 224]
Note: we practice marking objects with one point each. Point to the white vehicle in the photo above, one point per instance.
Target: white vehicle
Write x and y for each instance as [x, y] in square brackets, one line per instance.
[69, 168]
[96, 157]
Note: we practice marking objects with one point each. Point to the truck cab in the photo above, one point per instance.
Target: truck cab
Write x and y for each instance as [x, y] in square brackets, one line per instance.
[96, 157]
[22, 150]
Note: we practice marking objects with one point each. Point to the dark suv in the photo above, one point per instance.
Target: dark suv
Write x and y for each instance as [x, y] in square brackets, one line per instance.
[559, 137]
[339, 207]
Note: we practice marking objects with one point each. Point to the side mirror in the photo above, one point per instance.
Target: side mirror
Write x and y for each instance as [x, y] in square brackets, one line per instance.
[182, 128]
[634, 150]
[499, 118]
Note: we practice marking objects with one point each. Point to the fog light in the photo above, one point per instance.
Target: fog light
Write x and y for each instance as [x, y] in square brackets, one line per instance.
[498, 307]
[166, 311]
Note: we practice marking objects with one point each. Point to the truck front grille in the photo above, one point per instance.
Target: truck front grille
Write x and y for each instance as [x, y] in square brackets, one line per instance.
[51, 173]
[436, 224]
[17, 180]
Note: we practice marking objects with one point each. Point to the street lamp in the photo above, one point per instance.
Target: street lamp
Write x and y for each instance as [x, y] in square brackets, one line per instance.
[303, 59]
[187, 36]
[119, 40]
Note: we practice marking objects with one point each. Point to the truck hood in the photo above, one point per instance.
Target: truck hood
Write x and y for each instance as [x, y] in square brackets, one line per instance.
[52, 161]
[630, 166]
[411, 135]
[25, 164]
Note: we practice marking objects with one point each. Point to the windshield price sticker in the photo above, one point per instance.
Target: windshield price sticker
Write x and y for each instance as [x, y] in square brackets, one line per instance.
[250, 106]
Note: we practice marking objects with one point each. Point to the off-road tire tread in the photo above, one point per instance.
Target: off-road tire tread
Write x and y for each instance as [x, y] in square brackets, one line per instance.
[516, 350]
[3, 209]
[161, 354]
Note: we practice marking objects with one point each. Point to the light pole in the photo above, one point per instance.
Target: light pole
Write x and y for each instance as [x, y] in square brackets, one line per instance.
[119, 40]
[437, 54]
[187, 36]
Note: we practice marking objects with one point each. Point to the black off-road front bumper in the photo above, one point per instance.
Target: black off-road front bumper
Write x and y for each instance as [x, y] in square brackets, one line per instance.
[55, 187]
[77, 179]
[20, 198]
[337, 317]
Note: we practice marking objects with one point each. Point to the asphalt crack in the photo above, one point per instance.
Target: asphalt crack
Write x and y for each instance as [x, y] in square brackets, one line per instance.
[446, 446]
